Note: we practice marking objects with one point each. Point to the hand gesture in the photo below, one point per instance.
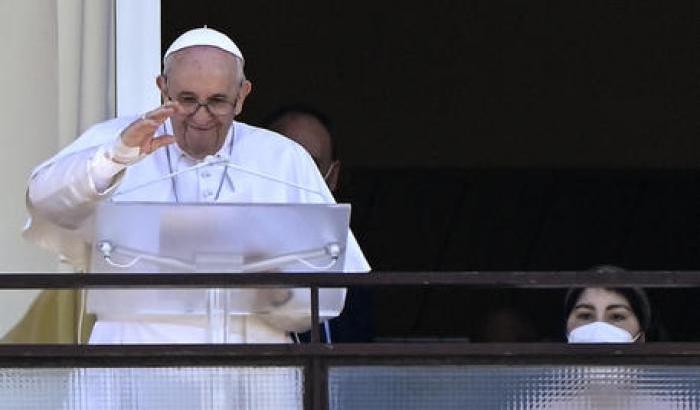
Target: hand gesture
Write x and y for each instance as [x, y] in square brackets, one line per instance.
[142, 132]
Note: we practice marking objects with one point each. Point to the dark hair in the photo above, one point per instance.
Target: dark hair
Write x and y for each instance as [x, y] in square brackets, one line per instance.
[636, 297]
[304, 109]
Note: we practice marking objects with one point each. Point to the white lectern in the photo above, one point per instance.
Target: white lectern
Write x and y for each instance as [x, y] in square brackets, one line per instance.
[139, 237]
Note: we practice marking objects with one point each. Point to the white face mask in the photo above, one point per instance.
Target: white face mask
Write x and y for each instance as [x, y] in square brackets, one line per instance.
[600, 332]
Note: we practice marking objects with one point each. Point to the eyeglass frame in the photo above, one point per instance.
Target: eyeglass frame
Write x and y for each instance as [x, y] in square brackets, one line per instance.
[205, 104]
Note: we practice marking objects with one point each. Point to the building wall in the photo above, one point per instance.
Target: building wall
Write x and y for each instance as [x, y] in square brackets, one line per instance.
[29, 118]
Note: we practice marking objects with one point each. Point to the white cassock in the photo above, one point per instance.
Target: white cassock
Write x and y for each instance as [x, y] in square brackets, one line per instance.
[62, 198]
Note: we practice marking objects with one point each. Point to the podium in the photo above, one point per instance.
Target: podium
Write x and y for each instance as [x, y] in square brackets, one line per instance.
[144, 237]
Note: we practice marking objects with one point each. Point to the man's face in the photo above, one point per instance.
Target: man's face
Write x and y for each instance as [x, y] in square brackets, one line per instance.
[308, 132]
[205, 75]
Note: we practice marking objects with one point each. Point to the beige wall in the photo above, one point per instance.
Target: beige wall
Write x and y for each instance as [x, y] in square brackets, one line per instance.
[29, 118]
[57, 79]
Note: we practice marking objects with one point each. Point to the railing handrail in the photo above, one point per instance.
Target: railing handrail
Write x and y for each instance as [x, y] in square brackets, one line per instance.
[668, 353]
[502, 279]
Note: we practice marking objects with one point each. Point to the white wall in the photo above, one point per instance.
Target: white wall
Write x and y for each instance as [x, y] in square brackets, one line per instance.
[138, 55]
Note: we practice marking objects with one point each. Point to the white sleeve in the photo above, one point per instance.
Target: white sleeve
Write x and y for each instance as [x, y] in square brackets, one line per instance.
[61, 194]
[102, 170]
[67, 190]
[109, 160]
[64, 192]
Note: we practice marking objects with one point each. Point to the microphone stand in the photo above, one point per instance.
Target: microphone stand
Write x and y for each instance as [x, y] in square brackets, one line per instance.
[211, 160]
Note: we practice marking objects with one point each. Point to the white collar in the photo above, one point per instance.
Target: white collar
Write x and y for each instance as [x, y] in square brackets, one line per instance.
[179, 155]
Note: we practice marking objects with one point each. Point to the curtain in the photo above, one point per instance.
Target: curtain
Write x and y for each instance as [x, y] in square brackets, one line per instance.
[60, 70]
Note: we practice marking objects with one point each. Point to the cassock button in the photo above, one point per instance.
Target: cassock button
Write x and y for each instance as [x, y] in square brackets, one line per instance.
[206, 174]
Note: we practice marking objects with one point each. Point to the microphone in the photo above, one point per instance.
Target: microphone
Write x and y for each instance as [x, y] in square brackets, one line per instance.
[212, 160]
[232, 165]
[204, 163]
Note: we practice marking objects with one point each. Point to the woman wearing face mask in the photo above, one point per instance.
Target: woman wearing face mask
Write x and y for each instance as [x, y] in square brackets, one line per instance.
[607, 315]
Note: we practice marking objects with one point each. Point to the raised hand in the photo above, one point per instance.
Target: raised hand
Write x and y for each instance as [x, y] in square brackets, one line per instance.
[141, 133]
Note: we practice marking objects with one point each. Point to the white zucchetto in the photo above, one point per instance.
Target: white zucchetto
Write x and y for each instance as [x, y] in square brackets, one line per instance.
[204, 37]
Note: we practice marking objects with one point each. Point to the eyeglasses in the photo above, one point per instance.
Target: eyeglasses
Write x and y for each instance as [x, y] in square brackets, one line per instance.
[216, 106]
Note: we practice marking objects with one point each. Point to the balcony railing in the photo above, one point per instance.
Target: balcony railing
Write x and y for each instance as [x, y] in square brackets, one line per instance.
[362, 375]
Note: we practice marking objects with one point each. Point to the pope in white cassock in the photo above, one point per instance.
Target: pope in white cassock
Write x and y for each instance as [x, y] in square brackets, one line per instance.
[204, 88]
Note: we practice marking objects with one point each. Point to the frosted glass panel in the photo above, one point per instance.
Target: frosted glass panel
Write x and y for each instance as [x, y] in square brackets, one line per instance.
[514, 387]
[188, 388]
